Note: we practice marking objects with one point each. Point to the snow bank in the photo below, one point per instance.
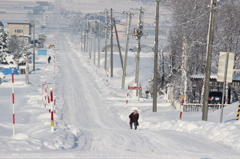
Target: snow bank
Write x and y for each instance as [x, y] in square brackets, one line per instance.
[226, 133]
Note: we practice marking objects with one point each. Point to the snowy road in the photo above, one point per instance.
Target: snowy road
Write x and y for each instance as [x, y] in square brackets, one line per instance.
[103, 134]
[99, 131]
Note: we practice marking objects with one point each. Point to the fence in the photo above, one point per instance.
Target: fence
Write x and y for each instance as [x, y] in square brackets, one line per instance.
[194, 107]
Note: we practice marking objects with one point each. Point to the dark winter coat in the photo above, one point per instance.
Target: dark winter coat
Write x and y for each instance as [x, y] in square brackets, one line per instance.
[49, 59]
[133, 118]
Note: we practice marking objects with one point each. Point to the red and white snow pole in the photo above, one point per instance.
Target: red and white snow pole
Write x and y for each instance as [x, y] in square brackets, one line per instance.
[43, 92]
[127, 98]
[13, 102]
[52, 110]
[53, 75]
[107, 77]
[181, 108]
[54, 103]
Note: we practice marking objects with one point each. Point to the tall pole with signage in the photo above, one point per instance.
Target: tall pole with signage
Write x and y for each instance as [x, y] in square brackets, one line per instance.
[224, 85]
[225, 72]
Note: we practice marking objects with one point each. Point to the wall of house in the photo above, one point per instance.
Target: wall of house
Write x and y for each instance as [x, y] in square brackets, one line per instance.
[21, 30]
[26, 29]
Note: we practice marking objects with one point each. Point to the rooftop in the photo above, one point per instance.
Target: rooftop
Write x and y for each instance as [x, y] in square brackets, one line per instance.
[20, 23]
[236, 77]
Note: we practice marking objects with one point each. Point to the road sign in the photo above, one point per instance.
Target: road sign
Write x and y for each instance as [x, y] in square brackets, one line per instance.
[134, 88]
[224, 63]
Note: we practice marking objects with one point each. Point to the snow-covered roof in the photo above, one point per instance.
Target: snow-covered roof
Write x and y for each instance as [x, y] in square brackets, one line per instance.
[2, 75]
[9, 66]
[236, 77]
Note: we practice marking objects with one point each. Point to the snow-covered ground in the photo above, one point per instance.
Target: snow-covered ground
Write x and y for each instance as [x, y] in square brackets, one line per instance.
[91, 119]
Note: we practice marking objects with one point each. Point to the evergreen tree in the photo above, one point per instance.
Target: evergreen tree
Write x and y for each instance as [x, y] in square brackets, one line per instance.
[4, 38]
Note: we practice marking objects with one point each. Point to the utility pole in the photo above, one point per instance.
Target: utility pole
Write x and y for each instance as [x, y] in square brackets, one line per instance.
[184, 68]
[90, 42]
[138, 33]
[106, 37]
[81, 37]
[155, 71]
[84, 40]
[119, 48]
[99, 35]
[209, 58]
[111, 33]
[162, 54]
[86, 37]
[94, 42]
[126, 50]
[34, 45]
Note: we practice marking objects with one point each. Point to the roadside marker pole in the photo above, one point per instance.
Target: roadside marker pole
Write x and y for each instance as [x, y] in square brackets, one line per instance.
[127, 98]
[46, 87]
[45, 99]
[107, 77]
[237, 117]
[53, 74]
[42, 88]
[181, 108]
[13, 102]
[49, 102]
[54, 103]
[45, 70]
[43, 94]
[45, 73]
[52, 111]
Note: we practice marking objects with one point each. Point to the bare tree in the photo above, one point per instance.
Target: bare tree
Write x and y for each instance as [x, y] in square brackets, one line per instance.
[187, 44]
[15, 45]
[189, 35]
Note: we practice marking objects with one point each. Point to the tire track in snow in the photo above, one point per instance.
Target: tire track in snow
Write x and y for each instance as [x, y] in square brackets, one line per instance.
[89, 112]
[100, 131]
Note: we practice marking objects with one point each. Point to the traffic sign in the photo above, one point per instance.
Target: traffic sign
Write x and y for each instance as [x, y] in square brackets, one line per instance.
[225, 62]
[134, 88]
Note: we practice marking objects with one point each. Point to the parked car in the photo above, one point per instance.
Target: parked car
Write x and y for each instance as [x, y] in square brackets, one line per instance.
[215, 98]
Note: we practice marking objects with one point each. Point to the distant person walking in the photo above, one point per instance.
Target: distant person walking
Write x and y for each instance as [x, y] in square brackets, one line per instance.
[49, 59]
[134, 119]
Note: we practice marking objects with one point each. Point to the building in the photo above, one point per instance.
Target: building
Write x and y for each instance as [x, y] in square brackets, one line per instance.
[21, 30]
[121, 29]
[215, 87]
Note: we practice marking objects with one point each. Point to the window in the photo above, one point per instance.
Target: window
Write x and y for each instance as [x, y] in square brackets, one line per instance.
[18, 31]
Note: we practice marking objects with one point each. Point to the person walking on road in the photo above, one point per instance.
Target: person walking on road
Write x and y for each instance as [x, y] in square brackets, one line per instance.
[49, 59]
[134, 119]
